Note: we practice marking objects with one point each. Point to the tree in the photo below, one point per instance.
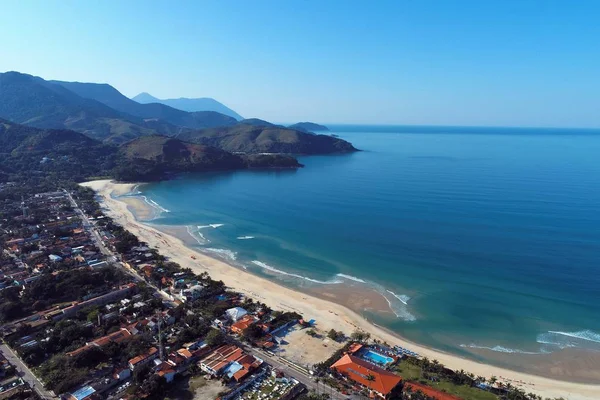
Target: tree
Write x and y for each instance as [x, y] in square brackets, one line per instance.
[360, 336]
[252, 333]
[215, 337]
[332, 334]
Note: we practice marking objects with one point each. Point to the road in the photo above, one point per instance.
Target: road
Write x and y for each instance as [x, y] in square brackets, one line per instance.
[25, 372]
[110, 255]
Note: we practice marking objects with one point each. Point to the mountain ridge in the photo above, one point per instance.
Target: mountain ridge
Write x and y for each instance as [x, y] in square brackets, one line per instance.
[189, 104]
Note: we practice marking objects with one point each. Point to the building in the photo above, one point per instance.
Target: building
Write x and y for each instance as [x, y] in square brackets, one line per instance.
[230, 360]
[235, 314]
[378, 380]
[117, 337]
[191, 293]
[243, 323]
[143, 359]
[429, 391]
[84, 393]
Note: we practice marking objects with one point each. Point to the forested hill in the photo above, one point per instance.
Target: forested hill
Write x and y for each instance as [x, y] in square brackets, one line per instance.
[308, 127]
[243, 138]
[62, 155]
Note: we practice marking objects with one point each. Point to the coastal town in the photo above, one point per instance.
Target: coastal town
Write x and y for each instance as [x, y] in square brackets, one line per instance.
[89, 311]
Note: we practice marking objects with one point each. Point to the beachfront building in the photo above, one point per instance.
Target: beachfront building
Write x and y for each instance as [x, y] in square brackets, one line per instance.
[379, 381]
[411, 388]
[235, 314]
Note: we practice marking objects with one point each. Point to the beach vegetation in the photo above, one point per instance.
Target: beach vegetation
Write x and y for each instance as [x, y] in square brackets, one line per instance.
[338, 336]
[360, 336]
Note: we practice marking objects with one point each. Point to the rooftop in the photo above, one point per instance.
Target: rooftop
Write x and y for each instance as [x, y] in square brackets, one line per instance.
[359, 371]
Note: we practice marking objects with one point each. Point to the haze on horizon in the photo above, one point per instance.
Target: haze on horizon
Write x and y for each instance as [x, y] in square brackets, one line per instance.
[508, 63]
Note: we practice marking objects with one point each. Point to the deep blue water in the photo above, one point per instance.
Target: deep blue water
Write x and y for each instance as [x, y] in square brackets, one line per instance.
[490, 236]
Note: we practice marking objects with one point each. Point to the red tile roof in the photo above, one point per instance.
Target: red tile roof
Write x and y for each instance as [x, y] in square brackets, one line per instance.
[142, 357]
[358, 370]
[429, 391]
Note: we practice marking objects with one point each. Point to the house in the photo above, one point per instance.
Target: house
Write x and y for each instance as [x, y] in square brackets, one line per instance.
[243, 323]
[84, 393]
[378, 380]
[168, 374]
[229, 360]
[143, 359]
[235, 314]
[429, 391]
[117, 337]
[122, 374]
[192, 293]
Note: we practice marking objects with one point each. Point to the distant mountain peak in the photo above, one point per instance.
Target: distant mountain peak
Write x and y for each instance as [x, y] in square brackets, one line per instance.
[189, 104]
[145, 97]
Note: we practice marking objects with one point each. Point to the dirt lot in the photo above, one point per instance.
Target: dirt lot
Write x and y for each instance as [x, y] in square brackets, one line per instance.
[304, 349]
[204, 389]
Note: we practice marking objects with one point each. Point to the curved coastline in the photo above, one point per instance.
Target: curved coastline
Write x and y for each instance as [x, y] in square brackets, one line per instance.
[327, 313]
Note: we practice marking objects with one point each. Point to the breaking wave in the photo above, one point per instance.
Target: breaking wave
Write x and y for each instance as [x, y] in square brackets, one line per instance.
[278, 271]
[155, 204]
[228, 254]
[402, 297]
[501, 349]
[245, 237]
[350, 277]
[199, 237]
[564, 340]
[214, 226]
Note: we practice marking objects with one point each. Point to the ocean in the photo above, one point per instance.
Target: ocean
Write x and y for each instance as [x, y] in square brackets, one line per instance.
[478, 238]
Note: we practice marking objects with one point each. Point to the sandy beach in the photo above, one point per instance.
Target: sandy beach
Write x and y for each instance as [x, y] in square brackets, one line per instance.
[330, 315]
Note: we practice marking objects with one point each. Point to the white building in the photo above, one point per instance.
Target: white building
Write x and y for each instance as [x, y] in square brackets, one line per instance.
[235, 313]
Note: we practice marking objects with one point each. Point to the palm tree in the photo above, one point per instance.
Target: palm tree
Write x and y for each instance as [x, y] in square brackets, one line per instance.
[370, 377]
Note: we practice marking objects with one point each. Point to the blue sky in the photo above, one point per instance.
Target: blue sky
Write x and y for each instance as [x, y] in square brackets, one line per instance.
[501, 63]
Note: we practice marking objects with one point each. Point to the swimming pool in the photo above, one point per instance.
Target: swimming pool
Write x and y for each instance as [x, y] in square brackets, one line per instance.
[377, 358]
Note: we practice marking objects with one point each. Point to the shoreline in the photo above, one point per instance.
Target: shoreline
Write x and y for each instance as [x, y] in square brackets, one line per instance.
[327, 313]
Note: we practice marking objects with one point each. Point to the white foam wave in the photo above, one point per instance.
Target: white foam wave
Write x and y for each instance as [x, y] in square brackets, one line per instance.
[214, 226]
[245, 237]
[155, 204]
[199, 237]
[500, 349]
[400, 311]
[350, 277]
[583, 335]
[564, 340]
[231, 255]
[273, 269]
[402, 297]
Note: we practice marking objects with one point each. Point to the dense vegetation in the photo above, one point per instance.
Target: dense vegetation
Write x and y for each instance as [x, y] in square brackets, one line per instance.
[308, 127]
[245, 138]
[31, 154]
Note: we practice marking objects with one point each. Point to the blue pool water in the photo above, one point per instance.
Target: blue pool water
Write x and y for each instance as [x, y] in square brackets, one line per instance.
[377, 358]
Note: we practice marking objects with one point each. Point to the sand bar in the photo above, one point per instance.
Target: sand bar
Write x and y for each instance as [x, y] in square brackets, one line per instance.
[327, 314]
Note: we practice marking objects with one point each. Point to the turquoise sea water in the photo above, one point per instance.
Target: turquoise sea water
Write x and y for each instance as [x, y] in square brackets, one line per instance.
[477, 237]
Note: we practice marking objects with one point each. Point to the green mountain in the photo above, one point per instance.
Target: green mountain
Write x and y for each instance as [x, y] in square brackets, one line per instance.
[111, 97]
[32, 153]
[250, 139]
[308, 127]
[155, 157]
[30, 100]
[190, 105]
[256, 122]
